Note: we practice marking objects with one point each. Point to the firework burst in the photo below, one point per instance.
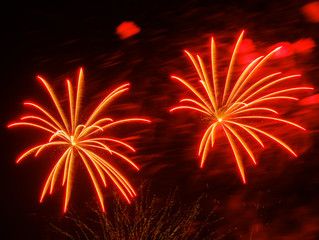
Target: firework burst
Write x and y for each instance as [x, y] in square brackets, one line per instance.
[232, 107]
[84, 142]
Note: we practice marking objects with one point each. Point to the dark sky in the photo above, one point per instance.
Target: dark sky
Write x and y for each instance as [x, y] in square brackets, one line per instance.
[55, 40]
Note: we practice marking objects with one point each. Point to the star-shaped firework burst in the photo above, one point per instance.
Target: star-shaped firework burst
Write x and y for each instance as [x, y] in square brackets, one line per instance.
[232, 107]
[85, 142]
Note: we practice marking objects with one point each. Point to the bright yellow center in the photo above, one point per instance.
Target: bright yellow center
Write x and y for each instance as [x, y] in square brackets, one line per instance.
[72, 141]
[220, 119]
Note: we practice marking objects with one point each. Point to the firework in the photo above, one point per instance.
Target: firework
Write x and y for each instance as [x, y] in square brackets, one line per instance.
[232, 107]
[81, 142]
[151, 217]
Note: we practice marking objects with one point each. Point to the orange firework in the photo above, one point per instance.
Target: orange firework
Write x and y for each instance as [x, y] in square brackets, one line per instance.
[236, 102]
[80, 141]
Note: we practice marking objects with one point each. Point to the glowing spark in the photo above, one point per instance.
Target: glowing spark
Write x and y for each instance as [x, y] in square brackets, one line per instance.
[72, 141]
[81, 142]
[228, 106]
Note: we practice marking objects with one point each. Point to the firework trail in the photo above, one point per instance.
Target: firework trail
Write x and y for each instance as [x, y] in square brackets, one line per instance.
[80, 141]
[233, 107]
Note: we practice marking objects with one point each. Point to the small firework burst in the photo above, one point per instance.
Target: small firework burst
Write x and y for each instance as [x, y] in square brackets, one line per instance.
[81, 142]
[232, 108]
[150, 217]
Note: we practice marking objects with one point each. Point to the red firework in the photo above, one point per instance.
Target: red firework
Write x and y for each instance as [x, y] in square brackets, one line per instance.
[231, 107]
[81, 142]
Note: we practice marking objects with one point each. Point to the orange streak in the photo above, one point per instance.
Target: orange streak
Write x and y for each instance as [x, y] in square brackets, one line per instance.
[28, 152]
[110, 171]
[68, 181]
[78, 96]
[115, 179]
[256, 67]
[288, 90]
[113, 94]
[230, 68]
[31, 125]
[247, 130]
[197, 103]
[256, 84]
[272, 137]
[205, 151]
[195, 65]
[45, 112]
[61, 134]
[55, 100]
[126, 159]
[46, 185]
[40, 119]
[54, 176]
[193, 90]
[234, 91]
[102, 146]
[121, 121]
[113, 171]
[114, 140]
[262, 99]
[270, 84]
[94, 125]
[86, 129]
[97, 167]
[95, 183]
[237, 156]
[66, 168]
[212, 135]
[275, 119]
[211, 98]
[253, 109]
[207, 132]
[242, 142]
[72, 116]
[206, 84]
[49, 144]
[214, 71]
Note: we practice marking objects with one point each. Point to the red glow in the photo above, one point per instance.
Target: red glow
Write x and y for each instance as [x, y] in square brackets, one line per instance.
[304, 45]
[311, 100]
[127, 29]
[80, 142]
[246, 46]
[311, 11]
[285, 50]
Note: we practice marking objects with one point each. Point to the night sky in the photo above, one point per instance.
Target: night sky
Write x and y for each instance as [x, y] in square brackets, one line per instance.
[280, 199]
